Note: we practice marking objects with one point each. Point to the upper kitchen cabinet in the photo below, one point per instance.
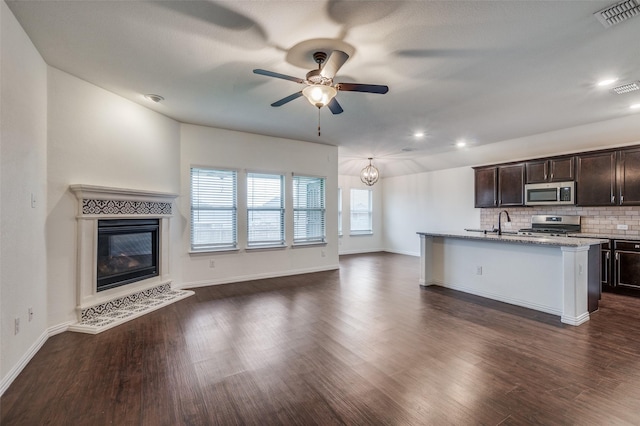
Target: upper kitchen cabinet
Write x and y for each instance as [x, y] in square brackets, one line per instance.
[596, 179]
[550, 170]
[486, 187]
[511, 185]
[629, 177]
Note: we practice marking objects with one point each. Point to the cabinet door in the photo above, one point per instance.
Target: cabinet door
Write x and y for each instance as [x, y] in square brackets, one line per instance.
[511, 185]
[537, 171]
[486, 187]
[561, 169]
[629, 177]
[596, 179]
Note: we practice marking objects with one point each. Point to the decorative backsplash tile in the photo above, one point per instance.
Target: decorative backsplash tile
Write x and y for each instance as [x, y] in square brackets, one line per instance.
[593, 220]
[90, 206]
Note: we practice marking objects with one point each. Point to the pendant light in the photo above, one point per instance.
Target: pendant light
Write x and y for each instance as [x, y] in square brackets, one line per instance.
[369, 175]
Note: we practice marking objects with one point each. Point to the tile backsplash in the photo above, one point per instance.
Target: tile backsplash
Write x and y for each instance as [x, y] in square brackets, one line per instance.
[594, 220]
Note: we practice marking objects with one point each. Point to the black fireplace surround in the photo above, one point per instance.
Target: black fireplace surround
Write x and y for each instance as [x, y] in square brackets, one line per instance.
[128, 251]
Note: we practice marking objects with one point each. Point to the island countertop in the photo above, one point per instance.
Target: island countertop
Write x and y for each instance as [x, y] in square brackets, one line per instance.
[517, 239]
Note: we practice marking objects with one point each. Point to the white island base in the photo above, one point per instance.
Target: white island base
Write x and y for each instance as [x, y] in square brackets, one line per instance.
[560, 276]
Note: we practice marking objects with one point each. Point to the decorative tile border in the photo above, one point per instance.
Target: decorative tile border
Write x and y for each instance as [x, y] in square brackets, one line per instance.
[91, 206]
[140, 297]
[118, 311]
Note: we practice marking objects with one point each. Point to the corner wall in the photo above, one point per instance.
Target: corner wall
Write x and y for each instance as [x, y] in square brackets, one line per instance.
[98, 138]
[434, 201]
[209, 147]
[351, 244]
[23, 178]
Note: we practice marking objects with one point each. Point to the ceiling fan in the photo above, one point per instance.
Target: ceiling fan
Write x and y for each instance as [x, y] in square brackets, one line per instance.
[321, 90]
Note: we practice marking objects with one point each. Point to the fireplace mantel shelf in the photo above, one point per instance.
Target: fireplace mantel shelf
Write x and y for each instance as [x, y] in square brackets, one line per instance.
[84, 192]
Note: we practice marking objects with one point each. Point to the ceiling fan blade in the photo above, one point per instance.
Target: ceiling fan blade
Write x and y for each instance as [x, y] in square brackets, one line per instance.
[333, 63]
[368, 88]
[334, 106]
[287, 99]
[277, 75]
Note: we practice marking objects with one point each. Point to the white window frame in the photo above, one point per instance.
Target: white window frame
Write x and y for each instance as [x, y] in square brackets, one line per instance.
[228, 204]
[368, 210]
[309, 213]
[339, 212]
[252, 197]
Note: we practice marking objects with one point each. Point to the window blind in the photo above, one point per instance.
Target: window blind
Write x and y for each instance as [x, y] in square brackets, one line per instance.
[265, 209]
[308, 210]
[213, 209]
[361, 211]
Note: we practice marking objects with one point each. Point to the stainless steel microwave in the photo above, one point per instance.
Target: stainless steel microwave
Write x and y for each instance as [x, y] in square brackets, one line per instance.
[540, 194]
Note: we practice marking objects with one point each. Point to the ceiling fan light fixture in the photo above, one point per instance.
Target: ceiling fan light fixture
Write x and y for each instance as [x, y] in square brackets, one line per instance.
[319, 95]
[369, 175]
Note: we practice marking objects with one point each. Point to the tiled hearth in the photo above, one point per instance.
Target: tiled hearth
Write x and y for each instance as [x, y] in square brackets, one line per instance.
[100, 310]
[104, 316]
[593, 220]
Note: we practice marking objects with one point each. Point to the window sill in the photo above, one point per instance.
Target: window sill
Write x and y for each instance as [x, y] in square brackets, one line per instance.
[210, 251]
[314, 244]
[361, 234]
[266, 247]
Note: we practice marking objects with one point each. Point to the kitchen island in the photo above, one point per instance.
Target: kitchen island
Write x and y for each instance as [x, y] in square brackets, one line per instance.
[557, 275]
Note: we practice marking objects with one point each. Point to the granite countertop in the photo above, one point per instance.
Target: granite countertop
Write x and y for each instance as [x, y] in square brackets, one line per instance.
[513, 237]
[606, 236]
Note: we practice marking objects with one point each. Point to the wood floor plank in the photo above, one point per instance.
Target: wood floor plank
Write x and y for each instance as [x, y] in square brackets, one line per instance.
[363, 345]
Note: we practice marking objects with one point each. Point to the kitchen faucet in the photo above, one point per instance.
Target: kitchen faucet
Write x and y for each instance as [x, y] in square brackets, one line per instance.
[499, 221]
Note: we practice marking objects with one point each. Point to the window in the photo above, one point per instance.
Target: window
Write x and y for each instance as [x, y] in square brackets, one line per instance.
[339, 211]
[308, 210]
[213, 209]
[361, 212]
[265, 209]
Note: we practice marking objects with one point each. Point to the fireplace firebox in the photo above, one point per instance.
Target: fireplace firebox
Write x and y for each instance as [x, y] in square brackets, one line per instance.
[128, 251]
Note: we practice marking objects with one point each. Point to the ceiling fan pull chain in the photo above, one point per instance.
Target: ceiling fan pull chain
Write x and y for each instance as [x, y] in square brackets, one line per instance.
[318, 121]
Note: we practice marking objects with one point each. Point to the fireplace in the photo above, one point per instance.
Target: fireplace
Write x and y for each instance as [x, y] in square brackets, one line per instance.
[127, 251]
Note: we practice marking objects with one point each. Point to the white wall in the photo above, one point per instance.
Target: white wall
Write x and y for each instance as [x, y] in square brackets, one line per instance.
[23, 133]
[205, 146]
[433, 201]
[98, 138]
[360, 243]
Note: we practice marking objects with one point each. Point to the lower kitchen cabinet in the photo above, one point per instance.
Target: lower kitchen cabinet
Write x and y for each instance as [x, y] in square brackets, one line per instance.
[627, 264]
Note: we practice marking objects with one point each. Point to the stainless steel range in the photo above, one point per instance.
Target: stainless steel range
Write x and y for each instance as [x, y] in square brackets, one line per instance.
[551, 225]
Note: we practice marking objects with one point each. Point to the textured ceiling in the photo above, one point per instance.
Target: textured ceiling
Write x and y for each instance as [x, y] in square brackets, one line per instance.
[480, 70]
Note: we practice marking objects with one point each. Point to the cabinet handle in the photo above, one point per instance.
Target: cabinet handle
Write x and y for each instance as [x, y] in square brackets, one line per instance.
[608, 255]
[613, 199]
[545, 175]
[551, 176]
[621, 199]
[617, 256]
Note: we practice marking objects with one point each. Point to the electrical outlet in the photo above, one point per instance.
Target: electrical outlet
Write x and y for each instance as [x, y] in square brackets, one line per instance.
[622, 227]
[17, 326]
[323, 253]
[33, 200]
[212, 263]
[30, 314]
[478, 270]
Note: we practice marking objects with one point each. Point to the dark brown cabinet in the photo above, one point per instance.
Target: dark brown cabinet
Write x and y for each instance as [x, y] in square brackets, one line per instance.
[511, 185]
[606, 263]
[486, 187]
[627, 264]
[629, 177]
[596, 179]
[550, 170]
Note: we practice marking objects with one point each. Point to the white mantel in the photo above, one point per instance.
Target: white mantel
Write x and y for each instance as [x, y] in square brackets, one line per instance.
[99, 202]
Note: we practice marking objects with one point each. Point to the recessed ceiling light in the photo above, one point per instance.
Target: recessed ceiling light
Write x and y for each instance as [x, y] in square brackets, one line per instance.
[154, 98]
[635, 106]
[607, 82]
[419, 134]
[460, 144]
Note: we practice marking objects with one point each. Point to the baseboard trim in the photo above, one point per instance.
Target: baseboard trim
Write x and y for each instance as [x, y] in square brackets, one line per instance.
[24, 360]
[360, 251]
[241, 278]
[406, 253]
[500, 298]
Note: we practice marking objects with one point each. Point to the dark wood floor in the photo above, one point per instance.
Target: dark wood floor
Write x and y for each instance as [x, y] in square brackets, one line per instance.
[363, 345]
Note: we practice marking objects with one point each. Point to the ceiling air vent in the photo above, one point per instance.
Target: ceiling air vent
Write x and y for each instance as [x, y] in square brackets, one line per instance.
[618, 12]
[626, 88]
